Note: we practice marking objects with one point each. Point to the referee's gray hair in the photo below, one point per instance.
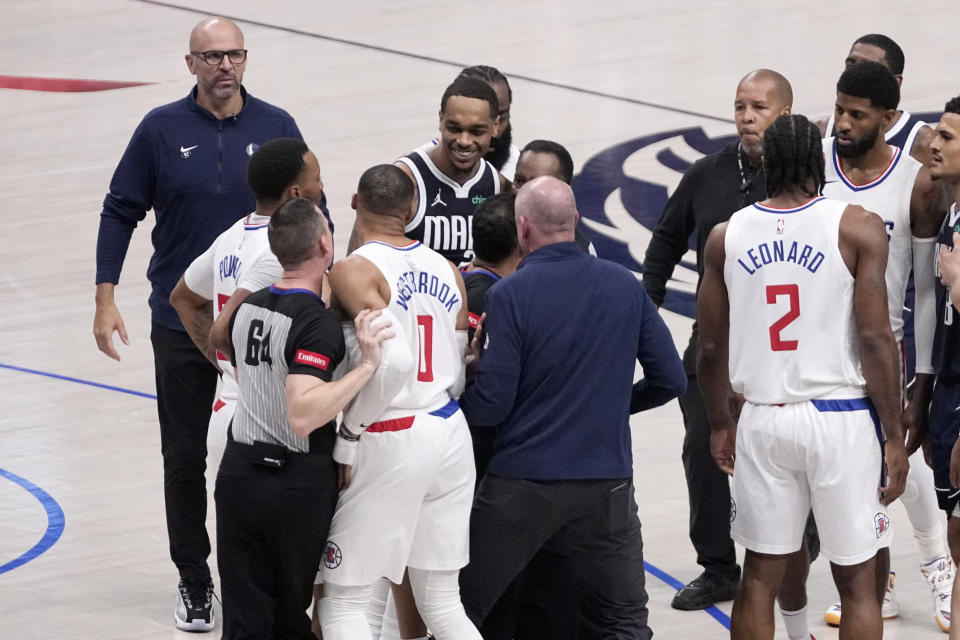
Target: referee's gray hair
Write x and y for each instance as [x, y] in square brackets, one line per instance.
[294, 230]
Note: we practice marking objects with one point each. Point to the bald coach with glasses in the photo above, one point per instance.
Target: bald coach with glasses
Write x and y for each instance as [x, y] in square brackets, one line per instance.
[187, 161]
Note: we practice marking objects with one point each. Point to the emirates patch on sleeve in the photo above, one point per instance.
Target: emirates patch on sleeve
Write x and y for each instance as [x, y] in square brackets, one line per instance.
[312, 359]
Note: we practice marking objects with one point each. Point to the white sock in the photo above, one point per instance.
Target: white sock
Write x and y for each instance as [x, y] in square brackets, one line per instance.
[932, 543]
[796, 623]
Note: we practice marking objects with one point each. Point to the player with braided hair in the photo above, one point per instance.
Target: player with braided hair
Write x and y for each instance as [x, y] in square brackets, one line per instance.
[792, 315]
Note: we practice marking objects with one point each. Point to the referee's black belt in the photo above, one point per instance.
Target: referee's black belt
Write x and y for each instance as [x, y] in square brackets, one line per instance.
[274, 455]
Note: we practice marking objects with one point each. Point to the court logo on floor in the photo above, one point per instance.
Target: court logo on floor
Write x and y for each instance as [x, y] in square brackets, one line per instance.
[621, 193]
[332, 555]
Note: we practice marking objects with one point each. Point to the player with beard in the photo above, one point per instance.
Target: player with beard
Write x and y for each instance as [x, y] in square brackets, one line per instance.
[862, 168]
[452, 178]
[906, 130]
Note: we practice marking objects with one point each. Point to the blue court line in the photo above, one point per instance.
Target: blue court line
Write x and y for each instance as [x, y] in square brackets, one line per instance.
[717, 614]
[57, 516]
[90, 383]
[55, 521]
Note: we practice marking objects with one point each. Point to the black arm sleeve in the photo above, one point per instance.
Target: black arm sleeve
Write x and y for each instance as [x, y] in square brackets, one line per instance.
[670, 238]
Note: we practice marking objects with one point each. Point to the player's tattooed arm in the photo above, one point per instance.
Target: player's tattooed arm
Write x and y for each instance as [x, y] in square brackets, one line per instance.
[713, 319]
[196, 314]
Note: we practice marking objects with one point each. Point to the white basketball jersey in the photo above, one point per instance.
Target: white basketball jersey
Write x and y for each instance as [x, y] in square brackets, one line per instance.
[424, 296]
[240, 257]
[792, 331]
[889, 197]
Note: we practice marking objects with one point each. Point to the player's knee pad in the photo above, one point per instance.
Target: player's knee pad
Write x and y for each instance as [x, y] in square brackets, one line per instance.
[437, 594]
[343, 612]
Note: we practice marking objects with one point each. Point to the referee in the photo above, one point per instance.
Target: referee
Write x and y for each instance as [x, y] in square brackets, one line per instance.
[277, 485]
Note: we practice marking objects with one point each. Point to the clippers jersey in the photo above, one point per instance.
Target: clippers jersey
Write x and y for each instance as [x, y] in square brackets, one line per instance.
[444, 217]
[889, 197]
[946, 339]
[240, 257]
[902, 134]
[425, 298]
[792, 331]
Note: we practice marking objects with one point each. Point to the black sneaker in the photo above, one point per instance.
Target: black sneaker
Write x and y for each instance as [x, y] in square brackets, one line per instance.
[706, 590]
[194, 611]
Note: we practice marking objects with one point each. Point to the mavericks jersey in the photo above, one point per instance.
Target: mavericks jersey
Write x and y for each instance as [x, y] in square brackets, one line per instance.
[426, 300]
[946, 339]
[792, 331]
[444, 217]
[889, 197]
[240, 258]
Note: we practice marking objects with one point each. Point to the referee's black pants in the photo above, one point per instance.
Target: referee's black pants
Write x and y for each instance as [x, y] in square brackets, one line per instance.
[512, 519]
[708, 489]
[272, 526]
[186, 385]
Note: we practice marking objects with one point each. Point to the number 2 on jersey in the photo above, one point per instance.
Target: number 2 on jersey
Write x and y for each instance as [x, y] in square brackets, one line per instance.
[425, 329]
[774, 291]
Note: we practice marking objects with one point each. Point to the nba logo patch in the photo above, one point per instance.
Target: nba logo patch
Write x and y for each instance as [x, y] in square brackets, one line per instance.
[881, 523]
[780, 223]
[332, 555]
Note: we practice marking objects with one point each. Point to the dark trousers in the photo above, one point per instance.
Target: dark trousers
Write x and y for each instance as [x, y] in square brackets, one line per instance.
[543, 601]
[707, 488]
[186, 384]
[512, 519]
[272, 526]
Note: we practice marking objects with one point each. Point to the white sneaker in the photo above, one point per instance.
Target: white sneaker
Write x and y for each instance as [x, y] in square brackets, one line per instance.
[939, 575]
[890, 607]
[194, 610]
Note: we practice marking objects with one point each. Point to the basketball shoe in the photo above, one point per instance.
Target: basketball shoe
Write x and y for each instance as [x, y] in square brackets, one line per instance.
[194, 610]
[939, 575]
[890, 607]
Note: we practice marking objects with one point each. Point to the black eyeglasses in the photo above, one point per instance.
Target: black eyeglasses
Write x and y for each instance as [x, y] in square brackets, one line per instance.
[237, 56]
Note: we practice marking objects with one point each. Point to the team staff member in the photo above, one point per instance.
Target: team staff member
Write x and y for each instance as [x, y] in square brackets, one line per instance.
[709, 192]
[277, 485]
[186, 161]
[530, 385]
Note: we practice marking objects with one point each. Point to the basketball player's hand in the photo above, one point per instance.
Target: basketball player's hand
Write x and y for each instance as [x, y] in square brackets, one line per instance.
[472, 356]
[106, 320]
[948, 264]
[343, 476]
[895, 456]
[916, 423]
[723, 447]
[371, 331]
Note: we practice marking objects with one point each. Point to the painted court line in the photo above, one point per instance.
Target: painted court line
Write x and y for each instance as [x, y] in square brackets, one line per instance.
[56, 516]
[55, 521]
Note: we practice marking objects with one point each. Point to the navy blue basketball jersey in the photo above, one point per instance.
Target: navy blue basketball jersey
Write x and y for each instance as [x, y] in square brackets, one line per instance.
[444, 217]
[946, 340]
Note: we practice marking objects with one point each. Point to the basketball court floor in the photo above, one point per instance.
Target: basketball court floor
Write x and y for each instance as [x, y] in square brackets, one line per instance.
[635, 90]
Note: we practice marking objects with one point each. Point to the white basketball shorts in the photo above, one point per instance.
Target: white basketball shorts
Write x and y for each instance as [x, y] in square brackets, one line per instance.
[408, 503]
[823, 454]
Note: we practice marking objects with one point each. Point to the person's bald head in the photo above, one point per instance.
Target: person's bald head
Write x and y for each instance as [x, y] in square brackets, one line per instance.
[777, 85]
[762, 96]
[546, 213]
[218, 83]
[213, 29]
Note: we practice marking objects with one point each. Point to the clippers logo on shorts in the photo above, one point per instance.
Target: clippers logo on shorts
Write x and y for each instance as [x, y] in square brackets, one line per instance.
[332, 555]
[881, 523]
[733, 510]
[312, 359]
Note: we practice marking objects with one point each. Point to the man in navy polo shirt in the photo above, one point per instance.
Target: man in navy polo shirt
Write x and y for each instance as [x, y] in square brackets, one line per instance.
[547, 326]
[186, 161]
